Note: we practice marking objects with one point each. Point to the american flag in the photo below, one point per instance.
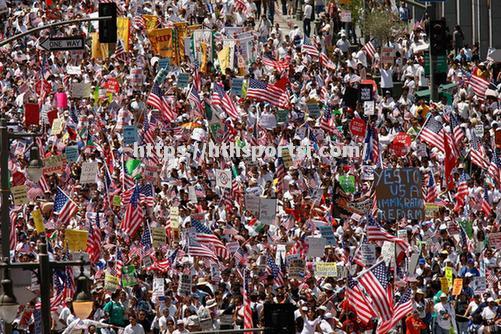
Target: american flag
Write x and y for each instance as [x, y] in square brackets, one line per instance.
[13, 231]
[240, 5]
[280, 172]
[326, 62]
[194, 98]
[359, 301]
[224, 101]
[486, 206]
[309, 49]
[462, 188]
[94, 239]
[377, 233]
[119, 263]
[327, 122]
[157, 100]
[195, 248]
[431, 133]
[247, 303]
[432, 192]
[457, 131]
[44, 184]
[204, 235]
[146, 240]
[268, 93]
[120, 51]
[64, 207]
[371, 146]
[376, 283]
[495, 168]
[274, 270]
[369, 49]
[146, 195]
[279, 65]
[402, 308]
[133, 215]
[477, 152]
[149, 130]
[139, 22]
[479, 85]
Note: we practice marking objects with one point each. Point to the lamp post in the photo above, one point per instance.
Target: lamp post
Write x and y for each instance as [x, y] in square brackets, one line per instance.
[8, 304]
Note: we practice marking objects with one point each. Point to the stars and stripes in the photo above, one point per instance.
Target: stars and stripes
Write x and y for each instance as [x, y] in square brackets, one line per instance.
[359, 301]
[309, 49]
[462, 188]
[274, 271]
[205, 236]
[477, 152]
[133, 215]
[157, 100]
[268, 93]
[457, 131]
[64, 207]
[194, 98]
[139, 22]
[377, 233]
[120, 51]
[326, 62]
[224, 101]
[146, 240]
[486, 205]
[376, 283]
[432, 191]
[279, 65]
[94, 239]
[431, 133]
[195, 248]
[13, 228]
[246, 301]
[479, 85]
[280, 172]
[402, 308]
[495, 168]
[370, 49]
[371, 146]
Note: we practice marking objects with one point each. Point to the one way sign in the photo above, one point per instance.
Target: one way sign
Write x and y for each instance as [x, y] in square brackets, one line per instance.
[63, 43]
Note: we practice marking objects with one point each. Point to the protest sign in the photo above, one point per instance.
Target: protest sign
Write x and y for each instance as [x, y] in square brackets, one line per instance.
[129, 276]
[444, 284]
[369, 108]
[89, 172]
[192, 194]
[399, 193]
[76, 240]
[431, 209]
[117, 200]
[185, 285]
[479, 285]
[111, 283]
[313, 109]
[368, 254]
[38, 220]
[347, 182]
[158, 286]
[174, 217]
[388, 252]
[326, 269]
[71, 153]
[316, 246]
[164, 63]
[448, 275]
[388, 55]
[223, 178]
[345, 16]
[31, 114]
[457, 287]
[267, 210]
[130, 134]
[147, 261]
[57, 126]
[495, 240]
[158, 236]
[367, 173]
[252, 204]
[286, 157]
[53, 164]
[365, 93]
[80, 90]
[19, 194]
[182, 80]
[236, 86]
[357, 127]
[479, 130]
[296, 269]
[232, 246]
[328, 233]
[282, 116]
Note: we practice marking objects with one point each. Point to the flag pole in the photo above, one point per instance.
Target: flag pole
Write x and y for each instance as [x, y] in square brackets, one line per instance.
[424, 125]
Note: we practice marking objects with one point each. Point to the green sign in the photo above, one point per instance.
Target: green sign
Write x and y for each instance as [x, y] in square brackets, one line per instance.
[347, 182]
[440, 64]
[282, 116]
[129, 276]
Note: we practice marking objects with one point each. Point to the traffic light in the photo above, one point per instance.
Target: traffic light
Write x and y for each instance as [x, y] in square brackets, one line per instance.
[438, 38]
[279, 319]
[108, 28]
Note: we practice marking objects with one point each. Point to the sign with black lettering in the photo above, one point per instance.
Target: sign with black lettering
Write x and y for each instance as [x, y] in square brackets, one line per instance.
[365, 92]
[63, 43]
[399, 193]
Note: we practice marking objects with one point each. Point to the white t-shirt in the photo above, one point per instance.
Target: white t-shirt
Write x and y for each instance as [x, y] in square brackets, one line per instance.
[310, 325]
[488, 313]
[308, 10]
[441, 310]
[137, 329]
[386, 78]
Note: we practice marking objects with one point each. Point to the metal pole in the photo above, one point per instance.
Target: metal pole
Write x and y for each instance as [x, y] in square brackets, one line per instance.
[433, 87]
[45, 275]
[5, 219]
[52, 25]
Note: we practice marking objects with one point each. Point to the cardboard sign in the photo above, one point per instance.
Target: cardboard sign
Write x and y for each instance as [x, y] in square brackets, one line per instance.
[111, 283]
[365, 93]
[286, 157]
[158, 236]
[236, 86]
[326, 269]
[399, 193]
[80, 90]
[252, 204]
[20, 194]
[316, 246]
[267, 210]
[71, 153]
[479, 130]
[158, 286]
[448, 275]
[232, 247]
[174, 217]
[444, 284]
[495, 240]
[457, 287]
[347, 182]
[223, 178]
[296, 269]
[388, 252]
[89, 172]
[369, 108]
[76, 239]
[479, 285]
[38, 220]
[130, 134]
[328, 233]
[357, 127]
[182, 80]
[53, 164]
[368, 254]
[313, 109]
[57, 127]
[388, 55]
[185, 285]
[345, 16]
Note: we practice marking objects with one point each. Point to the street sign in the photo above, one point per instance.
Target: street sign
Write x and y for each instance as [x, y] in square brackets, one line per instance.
[63, 43]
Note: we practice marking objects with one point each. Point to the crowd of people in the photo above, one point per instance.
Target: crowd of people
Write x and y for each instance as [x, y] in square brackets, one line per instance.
[199, 242]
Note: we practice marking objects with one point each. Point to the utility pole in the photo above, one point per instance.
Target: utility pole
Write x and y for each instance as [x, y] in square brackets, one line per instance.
[432, 13]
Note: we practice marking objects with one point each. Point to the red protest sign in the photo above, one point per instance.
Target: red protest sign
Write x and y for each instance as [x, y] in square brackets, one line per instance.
[112, 85]
[357, 127]
[18, 178]
[401, 144]
[47, 88]
[51, 116]
[31, 114]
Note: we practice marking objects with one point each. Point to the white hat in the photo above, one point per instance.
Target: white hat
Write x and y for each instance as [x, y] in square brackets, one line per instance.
[327, 286]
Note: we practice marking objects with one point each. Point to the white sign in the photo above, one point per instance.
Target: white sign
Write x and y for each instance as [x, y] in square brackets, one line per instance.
[368, 254]
[345, 16]
[158, 286]
[267, 210]
[388, 252]
[223, 178]
[80, 90]
[88, 173]
[252, 204]
[316, 246]
[369, 108]
[479, 130]
[192, 195]
[185, 285]
[413, 263]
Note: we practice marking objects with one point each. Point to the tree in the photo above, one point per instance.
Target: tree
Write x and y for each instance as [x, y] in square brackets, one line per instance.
[381, 24]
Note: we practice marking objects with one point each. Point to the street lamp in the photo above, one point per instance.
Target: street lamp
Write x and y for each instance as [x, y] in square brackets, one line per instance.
[35, 165]
[82, 304]
[8, 303]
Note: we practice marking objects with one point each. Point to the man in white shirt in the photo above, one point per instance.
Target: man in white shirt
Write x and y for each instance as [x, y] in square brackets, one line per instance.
[133, 327]
[343, 44]
[180, 328]
[445, 316]
[387, 78]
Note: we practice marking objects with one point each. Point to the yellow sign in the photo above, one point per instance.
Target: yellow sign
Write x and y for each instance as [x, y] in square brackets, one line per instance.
[57, 126]
[111, 283]
[19, 194]
[286, 157]
[162, 43]
[448, 275]
[99, 50]
[158, 236]
[326, 269]
[76, 239]
[444, 284]
[123, 31]
[458, 286]
[151, 22]
[37, 218]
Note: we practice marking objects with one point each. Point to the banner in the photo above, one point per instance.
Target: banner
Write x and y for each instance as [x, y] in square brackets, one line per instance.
[326, 269]
[162, 43]
[224, 59]
[76, 239]
[123, 31]
[151, 22]
[111, 283]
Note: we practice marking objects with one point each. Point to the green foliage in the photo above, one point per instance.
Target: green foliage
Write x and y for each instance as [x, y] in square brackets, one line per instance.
[381, 24]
